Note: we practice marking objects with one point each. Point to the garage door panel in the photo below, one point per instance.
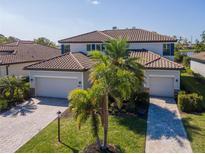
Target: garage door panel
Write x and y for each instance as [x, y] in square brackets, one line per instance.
[162, 86]
[55, 87]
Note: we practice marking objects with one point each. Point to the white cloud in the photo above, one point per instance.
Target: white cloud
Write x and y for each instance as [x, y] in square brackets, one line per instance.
[94, 2]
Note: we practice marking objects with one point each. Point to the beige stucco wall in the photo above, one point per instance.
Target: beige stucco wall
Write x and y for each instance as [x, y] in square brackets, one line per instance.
[15, 69]
[86, 81]
[2, 70]
[155, 47]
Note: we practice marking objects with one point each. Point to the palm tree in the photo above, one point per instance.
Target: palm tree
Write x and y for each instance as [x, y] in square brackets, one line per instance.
[13, 88]
[117, 74]
[84, 104]
[114, 74]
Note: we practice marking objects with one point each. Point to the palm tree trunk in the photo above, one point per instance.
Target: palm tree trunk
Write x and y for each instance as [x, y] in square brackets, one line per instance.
[105, 118]
[98, 141]
[95, 125]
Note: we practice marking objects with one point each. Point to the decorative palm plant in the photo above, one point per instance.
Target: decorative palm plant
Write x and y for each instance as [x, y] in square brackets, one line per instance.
[114, 74]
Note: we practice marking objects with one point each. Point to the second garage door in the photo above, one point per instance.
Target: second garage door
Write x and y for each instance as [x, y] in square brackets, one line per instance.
[162, 86]
[55, 87]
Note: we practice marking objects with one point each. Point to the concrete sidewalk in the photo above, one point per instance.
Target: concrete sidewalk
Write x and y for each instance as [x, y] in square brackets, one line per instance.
[165, 131]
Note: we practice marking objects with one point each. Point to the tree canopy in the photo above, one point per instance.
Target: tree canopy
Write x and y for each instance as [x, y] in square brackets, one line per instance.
[46, 42]
[10, 39]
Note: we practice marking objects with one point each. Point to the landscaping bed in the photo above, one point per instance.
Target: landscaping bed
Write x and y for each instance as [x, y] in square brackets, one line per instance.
[194, 122]
[126, 132]
[13, 91]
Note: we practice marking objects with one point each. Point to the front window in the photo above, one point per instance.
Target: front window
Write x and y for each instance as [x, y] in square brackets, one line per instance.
[99, 47]
[93, 46]
[103, 47]
[88, 47]
[66, 48]
[166, 49]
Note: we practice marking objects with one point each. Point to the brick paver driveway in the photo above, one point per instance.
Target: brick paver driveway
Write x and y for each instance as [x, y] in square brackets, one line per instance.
[165, 131]
[21, 123]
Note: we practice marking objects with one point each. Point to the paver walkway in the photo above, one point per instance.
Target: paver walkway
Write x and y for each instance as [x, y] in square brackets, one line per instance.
[21, 123]
[165, 131]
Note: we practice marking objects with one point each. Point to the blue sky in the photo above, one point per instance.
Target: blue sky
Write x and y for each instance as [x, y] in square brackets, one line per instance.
[58, 19]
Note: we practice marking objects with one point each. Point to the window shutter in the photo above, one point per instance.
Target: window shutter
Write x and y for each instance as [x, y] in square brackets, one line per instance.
[62, 49]
[172, 49]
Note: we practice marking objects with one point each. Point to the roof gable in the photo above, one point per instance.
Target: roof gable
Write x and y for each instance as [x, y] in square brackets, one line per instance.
[151, 60]
[66, 62]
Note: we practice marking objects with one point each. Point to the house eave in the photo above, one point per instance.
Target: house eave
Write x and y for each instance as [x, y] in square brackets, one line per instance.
[157, 41]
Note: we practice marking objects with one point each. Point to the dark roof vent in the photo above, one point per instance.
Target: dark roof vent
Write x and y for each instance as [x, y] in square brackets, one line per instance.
[114, 28]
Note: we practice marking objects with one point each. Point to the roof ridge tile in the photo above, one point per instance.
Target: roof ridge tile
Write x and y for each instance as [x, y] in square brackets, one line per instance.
[78, 35]
[105, 34]
[77, 61]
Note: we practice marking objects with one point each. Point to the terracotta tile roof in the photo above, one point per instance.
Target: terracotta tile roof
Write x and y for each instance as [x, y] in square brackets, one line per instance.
[72, 61]
[25, 51]
[151, 60]
[76, 61]
[199, 57]
[132, 35]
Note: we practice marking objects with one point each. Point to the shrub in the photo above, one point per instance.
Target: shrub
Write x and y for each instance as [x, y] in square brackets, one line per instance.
[186, 61]
[178, 57]
[199, 78]
[3, 104]
[189, 71]
[138, 100]
[14, 89]
[190, 102]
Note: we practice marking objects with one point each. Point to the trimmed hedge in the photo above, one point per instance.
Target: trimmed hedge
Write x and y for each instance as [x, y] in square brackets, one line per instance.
[192, 102]
[3, 104]
[138, 101]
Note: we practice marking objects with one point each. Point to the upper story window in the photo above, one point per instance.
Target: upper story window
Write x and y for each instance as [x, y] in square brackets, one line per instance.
[65, 48]
[88, 47]
[100, 47]
[168, 49]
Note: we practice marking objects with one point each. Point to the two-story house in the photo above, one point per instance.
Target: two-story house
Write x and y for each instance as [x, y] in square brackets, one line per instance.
[59, 75]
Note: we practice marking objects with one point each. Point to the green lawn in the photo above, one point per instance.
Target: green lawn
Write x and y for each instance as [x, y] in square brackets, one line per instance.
[187, 50]
[127, 132]
[195, 126]
[194, 123]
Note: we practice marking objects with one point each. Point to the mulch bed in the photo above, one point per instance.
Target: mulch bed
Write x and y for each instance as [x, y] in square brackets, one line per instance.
[93, 148]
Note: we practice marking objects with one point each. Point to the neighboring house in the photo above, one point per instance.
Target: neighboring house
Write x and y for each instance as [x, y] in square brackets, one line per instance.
[15, 56]
[197, 63]
[58, 76]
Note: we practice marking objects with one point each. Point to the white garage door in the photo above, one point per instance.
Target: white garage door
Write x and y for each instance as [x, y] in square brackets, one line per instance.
[162, 86]
[55, 87]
